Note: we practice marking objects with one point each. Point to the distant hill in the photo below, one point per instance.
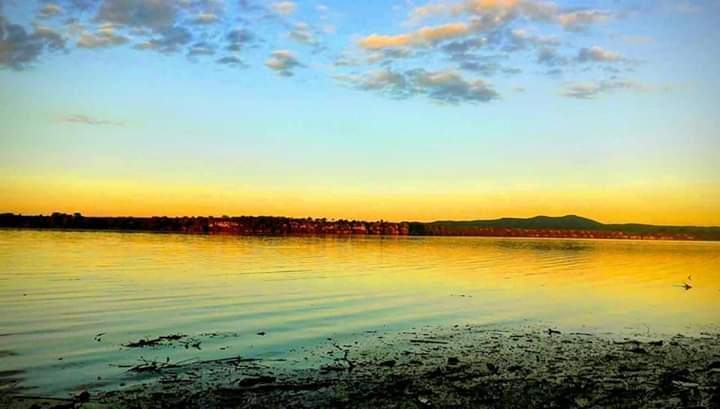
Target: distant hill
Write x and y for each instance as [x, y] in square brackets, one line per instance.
[562, 226]
[571, 222]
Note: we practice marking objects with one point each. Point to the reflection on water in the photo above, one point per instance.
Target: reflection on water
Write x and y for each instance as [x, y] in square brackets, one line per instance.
[59, 290]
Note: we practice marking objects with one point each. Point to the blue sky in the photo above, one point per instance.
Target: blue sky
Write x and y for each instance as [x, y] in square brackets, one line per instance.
[362, 109]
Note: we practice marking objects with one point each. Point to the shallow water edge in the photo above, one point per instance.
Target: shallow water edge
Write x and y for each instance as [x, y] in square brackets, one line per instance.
[440, 367]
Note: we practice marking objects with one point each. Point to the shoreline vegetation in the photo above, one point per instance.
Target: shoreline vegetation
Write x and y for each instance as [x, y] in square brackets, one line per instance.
[432, 367]
[570, 226]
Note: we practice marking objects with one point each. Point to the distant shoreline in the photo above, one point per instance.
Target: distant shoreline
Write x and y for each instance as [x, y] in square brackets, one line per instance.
[570, 227]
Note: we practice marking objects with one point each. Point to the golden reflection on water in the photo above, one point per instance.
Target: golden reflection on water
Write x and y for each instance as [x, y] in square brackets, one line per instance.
[59, 289]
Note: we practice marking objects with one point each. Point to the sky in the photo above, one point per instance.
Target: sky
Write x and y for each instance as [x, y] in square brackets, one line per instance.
[394, 110]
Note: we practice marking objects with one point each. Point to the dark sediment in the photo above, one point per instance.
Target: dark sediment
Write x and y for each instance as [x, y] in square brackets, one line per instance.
[442, 368]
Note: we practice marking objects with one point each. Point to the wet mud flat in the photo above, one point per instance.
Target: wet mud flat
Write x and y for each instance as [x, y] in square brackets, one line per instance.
[461, 366]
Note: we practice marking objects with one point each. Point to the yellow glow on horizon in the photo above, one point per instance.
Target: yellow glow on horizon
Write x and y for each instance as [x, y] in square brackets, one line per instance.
[661, 203]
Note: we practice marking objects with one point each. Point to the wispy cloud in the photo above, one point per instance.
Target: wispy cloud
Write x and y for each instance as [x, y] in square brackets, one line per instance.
[285, 8]
[385, 81]
[20, 49]
[201, 48]
[50, 10]
[303, 34]
[597, 54]
[104, 37]
[420, 37]
[231, 61]
[283, 62]
[593, 89]
[444, 86]
[451, 87]
[206, 18]
[238, 38]
[155, 14]
[168, 41]
[89, 120]
[549, 56]
[498, 10]
[520, 39]
[492, 14]
[580, 20]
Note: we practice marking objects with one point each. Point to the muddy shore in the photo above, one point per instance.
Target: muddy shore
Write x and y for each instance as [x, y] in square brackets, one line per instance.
[461, 366]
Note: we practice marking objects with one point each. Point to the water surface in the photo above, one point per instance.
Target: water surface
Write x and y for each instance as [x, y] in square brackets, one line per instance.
[59, 290]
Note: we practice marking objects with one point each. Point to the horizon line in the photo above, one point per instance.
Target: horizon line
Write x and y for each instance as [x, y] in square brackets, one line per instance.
[367, 220]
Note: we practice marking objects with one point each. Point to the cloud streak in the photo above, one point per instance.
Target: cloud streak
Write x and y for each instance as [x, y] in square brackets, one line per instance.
[206, 18]
[597, 54]
[593, 89]
[169, 41]
[152, 14]
[283, 62]
[423, 36]
[20, 49]
[50, 10]
[82, 119]
[492, 14]
[443, 86]
[104, 37]
[303, 34]
[284, 8]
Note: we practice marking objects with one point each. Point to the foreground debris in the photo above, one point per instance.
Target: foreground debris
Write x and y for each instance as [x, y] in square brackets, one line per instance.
[151, 342]
[467, 366]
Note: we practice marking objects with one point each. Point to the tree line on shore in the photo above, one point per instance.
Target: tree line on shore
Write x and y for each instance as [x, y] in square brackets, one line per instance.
[248, 225]
[542, 226]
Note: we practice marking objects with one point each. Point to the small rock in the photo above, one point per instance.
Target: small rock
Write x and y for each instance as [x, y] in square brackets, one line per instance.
[582, 402]
[714, 365]
[389, 363]
[83, 396]
[247, 382]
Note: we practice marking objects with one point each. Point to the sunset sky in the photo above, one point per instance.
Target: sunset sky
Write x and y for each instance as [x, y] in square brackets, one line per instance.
[400, 110]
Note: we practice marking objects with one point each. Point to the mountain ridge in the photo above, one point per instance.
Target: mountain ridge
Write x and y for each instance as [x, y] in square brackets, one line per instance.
[569, 223]
[540, 221]
[566, 220]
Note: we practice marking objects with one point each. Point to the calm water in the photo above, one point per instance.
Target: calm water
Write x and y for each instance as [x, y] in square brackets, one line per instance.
[58, 290]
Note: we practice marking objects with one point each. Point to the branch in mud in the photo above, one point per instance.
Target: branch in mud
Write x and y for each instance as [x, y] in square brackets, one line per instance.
[151, 342]
[350, 364]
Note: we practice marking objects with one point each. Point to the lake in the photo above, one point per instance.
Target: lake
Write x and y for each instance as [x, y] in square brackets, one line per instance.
[69, 301]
